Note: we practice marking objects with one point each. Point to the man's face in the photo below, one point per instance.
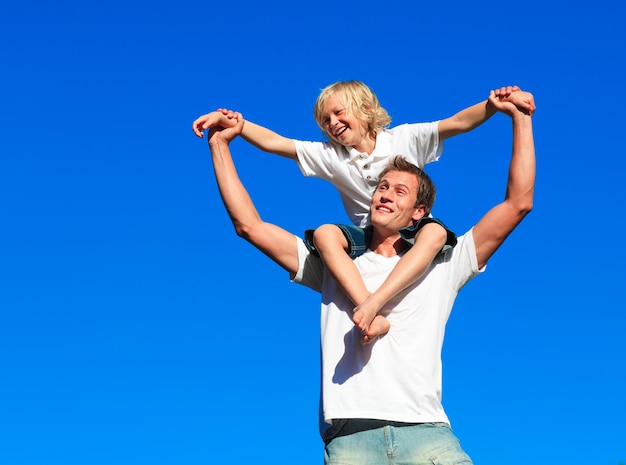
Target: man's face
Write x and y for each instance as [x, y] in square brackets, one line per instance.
[342, 126]
[393, 202]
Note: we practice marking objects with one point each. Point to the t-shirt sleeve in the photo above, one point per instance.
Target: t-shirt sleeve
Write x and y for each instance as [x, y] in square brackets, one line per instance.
[463, 264]
[310, 270]
[419, 141]
[316, 159]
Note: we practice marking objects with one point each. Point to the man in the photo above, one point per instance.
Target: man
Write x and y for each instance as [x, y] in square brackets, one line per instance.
[382, 402]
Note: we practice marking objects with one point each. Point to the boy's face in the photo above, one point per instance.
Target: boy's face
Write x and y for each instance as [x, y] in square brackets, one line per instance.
[393, 203]
[344, 127]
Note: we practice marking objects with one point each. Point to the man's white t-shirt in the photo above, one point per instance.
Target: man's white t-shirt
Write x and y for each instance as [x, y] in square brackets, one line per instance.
[399, 376]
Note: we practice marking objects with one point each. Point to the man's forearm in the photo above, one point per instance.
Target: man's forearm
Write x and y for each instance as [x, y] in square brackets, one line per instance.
[522, 169]
[235, 197]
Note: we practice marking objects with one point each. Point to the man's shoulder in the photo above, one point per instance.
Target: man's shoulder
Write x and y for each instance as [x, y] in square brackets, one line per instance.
[462, 257]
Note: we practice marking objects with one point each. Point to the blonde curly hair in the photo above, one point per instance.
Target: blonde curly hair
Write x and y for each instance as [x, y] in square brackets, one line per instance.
[359, 100]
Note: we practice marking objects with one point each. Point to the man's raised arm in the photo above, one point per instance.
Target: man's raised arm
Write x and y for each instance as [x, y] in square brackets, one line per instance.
[275, 242]
[491, 231]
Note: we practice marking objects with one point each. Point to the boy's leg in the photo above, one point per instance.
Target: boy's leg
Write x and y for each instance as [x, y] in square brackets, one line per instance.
[332, 245]
[429, 241]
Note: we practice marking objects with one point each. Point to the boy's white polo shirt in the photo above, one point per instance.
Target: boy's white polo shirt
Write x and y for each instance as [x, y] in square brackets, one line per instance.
[355, 174]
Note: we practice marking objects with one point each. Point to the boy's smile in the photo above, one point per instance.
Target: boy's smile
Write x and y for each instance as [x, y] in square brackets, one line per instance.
[344, 127]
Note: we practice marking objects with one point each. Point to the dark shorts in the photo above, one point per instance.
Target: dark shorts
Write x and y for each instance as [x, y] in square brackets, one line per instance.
[359, 238]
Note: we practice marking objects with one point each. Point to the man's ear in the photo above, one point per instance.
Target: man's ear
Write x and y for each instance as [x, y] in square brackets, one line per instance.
[419, 212]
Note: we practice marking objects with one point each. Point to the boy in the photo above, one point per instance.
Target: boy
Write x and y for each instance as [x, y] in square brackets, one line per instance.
[359, 146]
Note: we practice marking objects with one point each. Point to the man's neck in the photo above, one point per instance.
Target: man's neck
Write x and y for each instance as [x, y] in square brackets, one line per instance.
[387, 246]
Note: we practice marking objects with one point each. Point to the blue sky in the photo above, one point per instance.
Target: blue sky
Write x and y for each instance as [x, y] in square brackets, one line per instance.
[136, 328]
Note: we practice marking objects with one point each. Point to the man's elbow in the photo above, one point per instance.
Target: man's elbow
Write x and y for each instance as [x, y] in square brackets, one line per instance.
[243, 230]
[524, 212]
[522, 201]
[524, 206]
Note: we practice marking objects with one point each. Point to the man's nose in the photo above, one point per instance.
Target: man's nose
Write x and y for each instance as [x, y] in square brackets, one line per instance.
[386, 196]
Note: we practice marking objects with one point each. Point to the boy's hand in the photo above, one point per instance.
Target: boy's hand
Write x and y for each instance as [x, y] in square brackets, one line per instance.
[220, 118]
[524, 101]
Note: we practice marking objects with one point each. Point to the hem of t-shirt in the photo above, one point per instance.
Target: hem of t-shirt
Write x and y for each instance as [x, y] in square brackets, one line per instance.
[388, 417]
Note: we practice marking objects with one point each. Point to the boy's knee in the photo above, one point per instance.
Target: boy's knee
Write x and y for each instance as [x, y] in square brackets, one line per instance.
[328, 235]
[434, 234]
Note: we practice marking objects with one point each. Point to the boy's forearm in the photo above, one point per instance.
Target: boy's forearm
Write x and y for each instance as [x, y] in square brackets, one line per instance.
[466, 119]
[474, 116]
[268, 141]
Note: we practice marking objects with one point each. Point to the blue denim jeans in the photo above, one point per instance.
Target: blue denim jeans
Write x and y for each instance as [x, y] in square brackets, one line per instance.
[379, 442]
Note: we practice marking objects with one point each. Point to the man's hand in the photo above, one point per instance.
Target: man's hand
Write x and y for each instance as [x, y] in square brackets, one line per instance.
[512, 103]
[220, 134]
[524, 101]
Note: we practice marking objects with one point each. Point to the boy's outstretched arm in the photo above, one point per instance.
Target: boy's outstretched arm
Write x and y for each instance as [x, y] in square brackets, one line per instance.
[269, 141]
[475, 115]
[262, 138]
